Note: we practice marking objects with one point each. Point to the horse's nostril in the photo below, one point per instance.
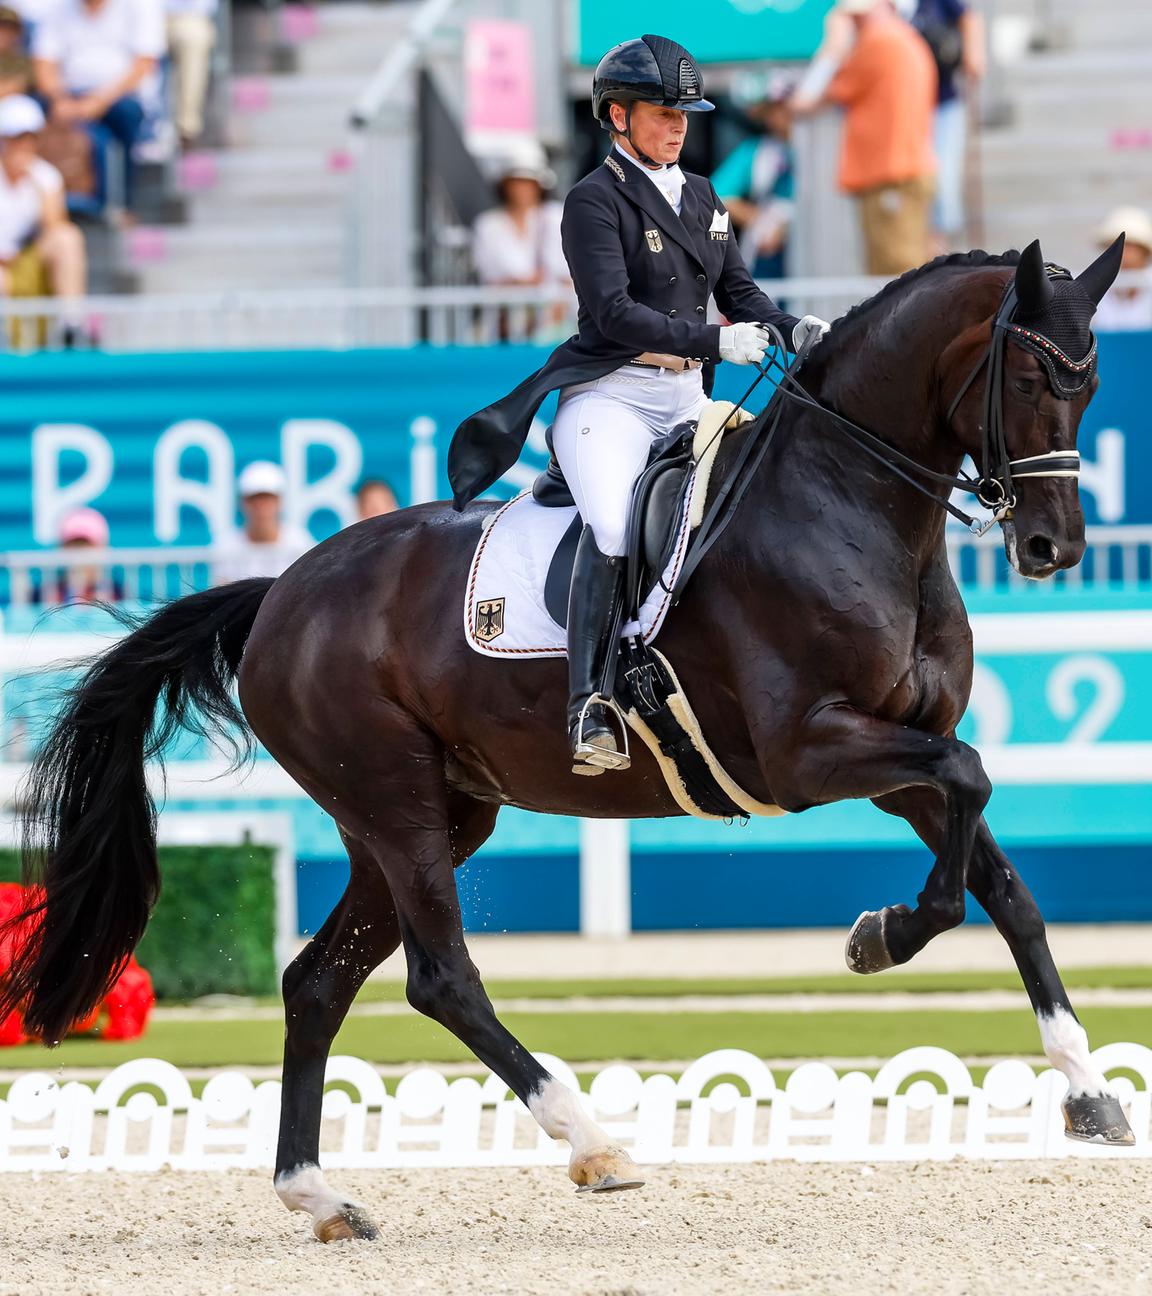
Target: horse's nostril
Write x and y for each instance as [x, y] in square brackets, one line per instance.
[1041, 550]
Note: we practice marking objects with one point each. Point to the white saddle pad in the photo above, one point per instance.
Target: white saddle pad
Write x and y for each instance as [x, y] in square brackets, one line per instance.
[504, 612]
[504, 609]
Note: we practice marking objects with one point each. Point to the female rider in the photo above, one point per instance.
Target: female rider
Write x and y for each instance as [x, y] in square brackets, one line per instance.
[646, 244]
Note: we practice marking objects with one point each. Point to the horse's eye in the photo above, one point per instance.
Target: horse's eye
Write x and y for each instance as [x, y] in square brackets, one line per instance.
[1026, 386]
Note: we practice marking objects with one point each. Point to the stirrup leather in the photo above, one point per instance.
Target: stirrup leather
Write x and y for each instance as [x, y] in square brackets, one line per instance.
[585, 752]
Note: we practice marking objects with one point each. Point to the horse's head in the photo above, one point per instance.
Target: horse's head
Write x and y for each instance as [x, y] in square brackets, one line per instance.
[1036, 389]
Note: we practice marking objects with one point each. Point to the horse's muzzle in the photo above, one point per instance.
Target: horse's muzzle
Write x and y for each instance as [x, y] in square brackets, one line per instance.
[1038, 555]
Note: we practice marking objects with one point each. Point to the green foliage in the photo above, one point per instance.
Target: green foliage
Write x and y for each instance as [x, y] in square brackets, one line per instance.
[214, 929]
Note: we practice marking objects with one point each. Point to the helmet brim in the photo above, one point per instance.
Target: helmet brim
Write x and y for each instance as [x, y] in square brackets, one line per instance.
[683, 105]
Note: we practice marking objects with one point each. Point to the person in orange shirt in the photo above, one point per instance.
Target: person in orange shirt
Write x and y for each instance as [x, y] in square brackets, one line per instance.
[887, 86]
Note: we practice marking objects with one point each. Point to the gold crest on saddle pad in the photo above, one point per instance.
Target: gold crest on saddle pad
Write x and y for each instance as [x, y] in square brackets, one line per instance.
[489, 620]
[655, 242]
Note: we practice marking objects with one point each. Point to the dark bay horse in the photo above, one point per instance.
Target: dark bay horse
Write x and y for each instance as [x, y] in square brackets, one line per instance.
[823, 643]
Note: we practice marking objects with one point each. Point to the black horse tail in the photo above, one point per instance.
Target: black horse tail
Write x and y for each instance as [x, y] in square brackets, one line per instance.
[88, 819]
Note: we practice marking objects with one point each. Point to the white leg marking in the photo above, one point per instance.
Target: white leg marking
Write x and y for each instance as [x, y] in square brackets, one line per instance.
[1066, 1047]
[304, 1189]
[559, 1113]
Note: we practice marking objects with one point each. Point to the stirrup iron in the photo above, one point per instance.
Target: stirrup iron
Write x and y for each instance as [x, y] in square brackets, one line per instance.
[601, 758]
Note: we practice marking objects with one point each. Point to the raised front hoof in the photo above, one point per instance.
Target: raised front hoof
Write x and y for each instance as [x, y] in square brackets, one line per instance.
[609, 1170]
[866, 950]
[350, 1223]
[1097, 1118]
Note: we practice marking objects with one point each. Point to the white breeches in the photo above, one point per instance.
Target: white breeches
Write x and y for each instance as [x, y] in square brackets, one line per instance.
[603, 432]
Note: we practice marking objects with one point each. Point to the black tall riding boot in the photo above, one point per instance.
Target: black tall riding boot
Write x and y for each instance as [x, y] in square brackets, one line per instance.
[593, 616]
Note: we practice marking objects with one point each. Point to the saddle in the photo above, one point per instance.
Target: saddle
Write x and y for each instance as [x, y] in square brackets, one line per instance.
[644, 686]
[655, 514]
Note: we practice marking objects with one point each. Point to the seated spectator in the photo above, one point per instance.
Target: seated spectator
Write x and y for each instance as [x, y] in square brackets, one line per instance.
[266, 546]
[755, 183]
[518, 243]
[191, 36]
[1128, 306]
[15, 65]
[41, 251]
[374, 498]
[81, 582]
[92, 59]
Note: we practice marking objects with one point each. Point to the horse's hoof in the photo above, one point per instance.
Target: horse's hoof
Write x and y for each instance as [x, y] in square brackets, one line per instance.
[350, 1222]
[1097, 1118]
[866, 950]
[609, 1170]
[610, 1184]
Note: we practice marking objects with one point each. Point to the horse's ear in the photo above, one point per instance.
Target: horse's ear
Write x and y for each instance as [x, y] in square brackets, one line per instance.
[1033, 287]
[1101, 274]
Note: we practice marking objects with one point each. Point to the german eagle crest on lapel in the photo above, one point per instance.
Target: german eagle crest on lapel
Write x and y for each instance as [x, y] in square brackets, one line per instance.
[655, 242]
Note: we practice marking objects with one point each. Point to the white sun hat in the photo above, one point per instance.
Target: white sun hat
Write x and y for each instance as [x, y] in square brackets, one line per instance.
[20, 115]
[526, 160]
[1131, 221]
[262, 478]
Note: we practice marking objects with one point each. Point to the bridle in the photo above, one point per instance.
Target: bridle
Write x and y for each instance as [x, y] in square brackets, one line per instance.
[994, 487]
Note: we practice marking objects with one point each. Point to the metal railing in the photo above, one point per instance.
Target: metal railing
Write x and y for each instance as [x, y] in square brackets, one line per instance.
[40, 578]
[1117, 557]
[345, 318]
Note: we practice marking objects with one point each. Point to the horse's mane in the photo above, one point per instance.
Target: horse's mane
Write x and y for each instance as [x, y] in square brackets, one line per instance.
[974, 260]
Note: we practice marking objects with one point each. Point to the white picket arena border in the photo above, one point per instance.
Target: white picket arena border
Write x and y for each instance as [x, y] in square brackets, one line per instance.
[700, 1117]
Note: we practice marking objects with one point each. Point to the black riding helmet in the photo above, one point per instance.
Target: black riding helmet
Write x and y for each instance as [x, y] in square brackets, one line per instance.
[651, 69]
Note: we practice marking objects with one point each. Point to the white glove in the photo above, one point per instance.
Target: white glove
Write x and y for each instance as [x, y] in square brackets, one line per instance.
[806, 325]
[744, 343]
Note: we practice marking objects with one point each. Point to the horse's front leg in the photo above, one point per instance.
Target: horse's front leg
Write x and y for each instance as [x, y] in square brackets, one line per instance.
[842, 754]
[1092, 1112]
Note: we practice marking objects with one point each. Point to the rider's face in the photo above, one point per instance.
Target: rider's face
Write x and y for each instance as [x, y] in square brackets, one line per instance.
[658, 132]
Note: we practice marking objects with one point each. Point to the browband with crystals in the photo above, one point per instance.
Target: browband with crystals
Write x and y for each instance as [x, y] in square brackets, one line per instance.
[1057, 362]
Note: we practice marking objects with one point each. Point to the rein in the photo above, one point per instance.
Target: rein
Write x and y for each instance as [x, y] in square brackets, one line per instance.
[994, 488]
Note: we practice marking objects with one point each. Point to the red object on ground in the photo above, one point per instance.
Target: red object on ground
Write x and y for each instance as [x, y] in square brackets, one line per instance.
[127, 1005]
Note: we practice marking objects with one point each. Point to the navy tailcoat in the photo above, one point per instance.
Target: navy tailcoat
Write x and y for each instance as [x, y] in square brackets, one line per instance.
[643, 275]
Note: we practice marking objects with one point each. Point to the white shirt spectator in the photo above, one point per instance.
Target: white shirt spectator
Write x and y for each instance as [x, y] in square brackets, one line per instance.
[206, 8]
[97, 48]
[240, 558]
[22, 204]
[501, 253]
[1126, 309]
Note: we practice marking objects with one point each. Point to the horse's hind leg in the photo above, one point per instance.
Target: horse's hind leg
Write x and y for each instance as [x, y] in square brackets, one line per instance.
[421, 828]
[1092, 1112]
[319, 987]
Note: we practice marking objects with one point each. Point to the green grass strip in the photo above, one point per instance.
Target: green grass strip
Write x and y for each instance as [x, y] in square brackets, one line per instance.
[582, 1037]
[895, 982]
